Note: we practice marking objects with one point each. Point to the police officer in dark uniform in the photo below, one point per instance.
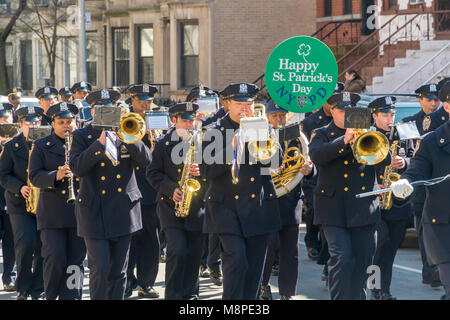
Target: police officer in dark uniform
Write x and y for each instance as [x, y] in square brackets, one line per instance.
[61, 247]
[242, 214]
[210, 266]
[432, 160]
[183, 235]
[80, 90]
[348, 223]
[288, 236]
[66, 94]
[13, 177]
[318, 119]
[48, 96]
[429, 102]
[108, 209]
[144, 250]
[14, 98]
[6, 234]
[438, 117]
[392, 225]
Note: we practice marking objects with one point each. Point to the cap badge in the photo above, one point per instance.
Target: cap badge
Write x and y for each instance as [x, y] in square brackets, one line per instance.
[243, 88]
[63, 107]
[433, 88]
[31, 110]
[145, 88]
[189, 106]
[105, 94]
[388, 101]
[46, 90]
[346, 96]
[83, 84]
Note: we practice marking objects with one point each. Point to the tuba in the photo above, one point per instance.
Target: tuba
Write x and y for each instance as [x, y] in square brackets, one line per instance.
[294, 159]
[188, 184]
[370, 147]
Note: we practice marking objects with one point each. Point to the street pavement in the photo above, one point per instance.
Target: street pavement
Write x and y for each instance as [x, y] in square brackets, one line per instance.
[406, 279]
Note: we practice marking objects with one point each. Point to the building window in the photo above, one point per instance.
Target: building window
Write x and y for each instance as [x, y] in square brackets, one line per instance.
[91, 61]
[43, 67]
[70, 62]
[26, 61]
[327, 8]
[189, 54]
[348, 7]
[121, 66]
[145, 58]
[415, 1]
[10, 63]
[392, 4]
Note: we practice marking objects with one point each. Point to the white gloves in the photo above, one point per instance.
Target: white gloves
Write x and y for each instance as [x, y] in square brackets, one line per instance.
[402, 188]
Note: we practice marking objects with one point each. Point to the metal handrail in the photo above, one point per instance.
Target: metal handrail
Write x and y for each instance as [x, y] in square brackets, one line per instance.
[421, 67]
[436, 73]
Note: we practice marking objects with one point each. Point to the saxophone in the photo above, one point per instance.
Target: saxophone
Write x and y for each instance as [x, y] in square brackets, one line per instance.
[188, 184]
[32, 201]
[389, 177]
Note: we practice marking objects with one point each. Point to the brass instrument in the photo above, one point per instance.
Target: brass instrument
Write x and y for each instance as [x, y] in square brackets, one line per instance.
[294, 159]
[32, 201]
[71, 197]
[132, 128]
[389, 177]
[259, 150]
[188, 184]
[370, 147]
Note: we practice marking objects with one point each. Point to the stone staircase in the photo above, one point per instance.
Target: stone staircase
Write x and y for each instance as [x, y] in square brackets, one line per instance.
[401, 60]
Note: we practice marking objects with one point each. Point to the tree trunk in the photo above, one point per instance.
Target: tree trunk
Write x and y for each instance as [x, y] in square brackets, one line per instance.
[4, 81]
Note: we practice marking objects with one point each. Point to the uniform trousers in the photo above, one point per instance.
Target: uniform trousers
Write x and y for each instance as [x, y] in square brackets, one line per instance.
[27, 248]
[351, 252]
[7, 238]
[144, 250]
[287, 238]
[184, 250]
[108, 261]
[63, 253]
[242, 264]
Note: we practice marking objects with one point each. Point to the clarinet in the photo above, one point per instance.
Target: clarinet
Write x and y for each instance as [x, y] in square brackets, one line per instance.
[71, 198]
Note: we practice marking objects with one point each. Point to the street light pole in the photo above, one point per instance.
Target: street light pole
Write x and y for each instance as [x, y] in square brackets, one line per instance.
[82, 41]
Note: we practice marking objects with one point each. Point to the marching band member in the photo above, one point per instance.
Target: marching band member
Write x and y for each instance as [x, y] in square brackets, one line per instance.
[49, 171]
[13, 177]
[80, 90]
[391, 227]
[6, 234]
[438, 117]
[183, 234]
[144, 250]
[431, 160]
[210, 262]
[47, 96]
[14, 98]
[242, 214]
[288, 235]
[429, 102]
[348, 223]
[108, 209]
[65, 94]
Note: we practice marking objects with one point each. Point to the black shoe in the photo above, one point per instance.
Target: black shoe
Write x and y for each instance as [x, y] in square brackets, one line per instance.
[216, 277]
[39, 297]
[128, 291]
[324, 276]
[313, 254]
[204, 272]
[286, 297]
[194, 297]
[275, 270]
[426, 281]
[387, 296]
[162, 258]
[147, 292]
[266, 293]
[9, 287]
[444, 297]
[436, 283]
[375, 294]
[22, 296]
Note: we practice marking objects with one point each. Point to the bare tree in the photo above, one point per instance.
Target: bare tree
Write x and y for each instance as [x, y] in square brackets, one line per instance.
[45, 23]
[4, 80]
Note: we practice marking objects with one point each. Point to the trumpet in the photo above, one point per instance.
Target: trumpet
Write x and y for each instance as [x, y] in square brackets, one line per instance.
[370, 147]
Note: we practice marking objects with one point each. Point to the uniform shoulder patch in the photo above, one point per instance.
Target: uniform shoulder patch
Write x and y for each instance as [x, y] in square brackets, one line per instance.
[426, 123]
[313, 134]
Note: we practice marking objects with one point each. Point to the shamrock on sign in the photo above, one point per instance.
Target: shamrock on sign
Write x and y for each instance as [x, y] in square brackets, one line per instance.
[304, 50]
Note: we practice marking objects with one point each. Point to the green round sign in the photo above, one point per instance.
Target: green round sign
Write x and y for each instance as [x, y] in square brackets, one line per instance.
[301, 74]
